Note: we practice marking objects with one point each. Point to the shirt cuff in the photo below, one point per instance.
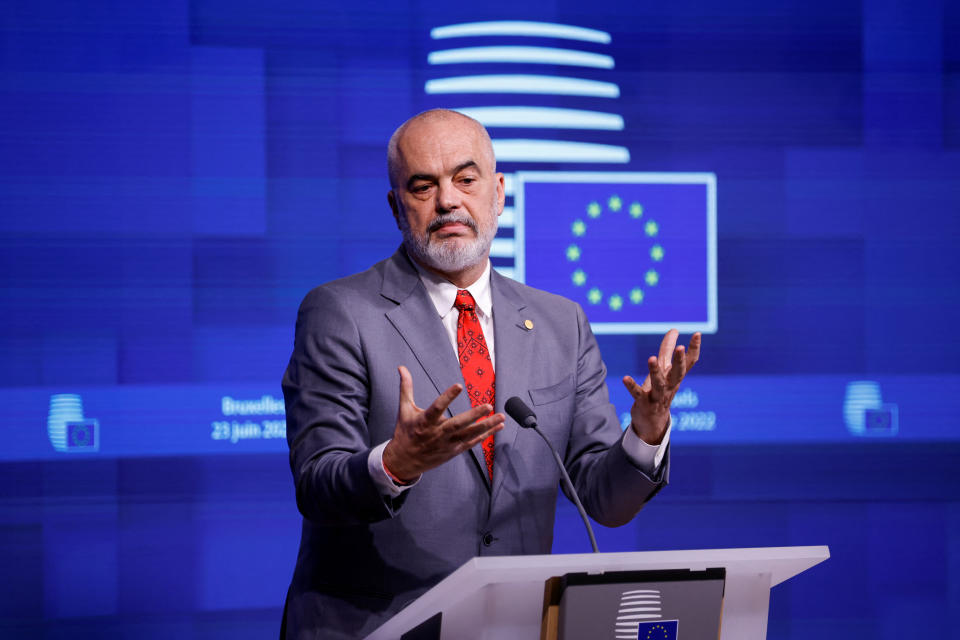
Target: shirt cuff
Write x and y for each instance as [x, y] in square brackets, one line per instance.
[384, 483]
[647, 457]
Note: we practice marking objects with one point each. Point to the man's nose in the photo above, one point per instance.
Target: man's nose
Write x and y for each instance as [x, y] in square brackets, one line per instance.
[448, 197]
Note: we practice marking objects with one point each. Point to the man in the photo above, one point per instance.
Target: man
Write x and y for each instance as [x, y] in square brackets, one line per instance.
[400, 475]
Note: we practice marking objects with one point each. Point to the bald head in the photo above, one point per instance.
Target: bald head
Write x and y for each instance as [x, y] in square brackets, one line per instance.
[435, 123]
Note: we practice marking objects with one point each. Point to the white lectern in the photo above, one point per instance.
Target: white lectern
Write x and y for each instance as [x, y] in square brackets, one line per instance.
[501, 597]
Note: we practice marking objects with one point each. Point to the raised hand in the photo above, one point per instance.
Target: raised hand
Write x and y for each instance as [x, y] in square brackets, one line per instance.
[650, 412]
[424, 438]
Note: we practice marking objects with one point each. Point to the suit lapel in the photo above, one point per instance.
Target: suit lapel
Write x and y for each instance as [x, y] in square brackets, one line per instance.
[513, 345]
[416, 319]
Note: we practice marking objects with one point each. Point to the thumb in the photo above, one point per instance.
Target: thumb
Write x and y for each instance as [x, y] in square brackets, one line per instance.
[406, 389]
[632, 387]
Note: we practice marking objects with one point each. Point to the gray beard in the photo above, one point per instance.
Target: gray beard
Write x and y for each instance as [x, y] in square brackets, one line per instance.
[448, 256]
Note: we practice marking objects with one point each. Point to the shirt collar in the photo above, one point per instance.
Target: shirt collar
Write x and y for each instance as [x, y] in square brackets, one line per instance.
[443, 293]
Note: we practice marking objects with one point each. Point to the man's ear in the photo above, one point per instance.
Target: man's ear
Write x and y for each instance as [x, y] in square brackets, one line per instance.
[392, 199]
[501, 192]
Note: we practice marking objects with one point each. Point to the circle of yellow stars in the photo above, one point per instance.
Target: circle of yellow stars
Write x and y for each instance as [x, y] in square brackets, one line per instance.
[578, 228]
[657, 631]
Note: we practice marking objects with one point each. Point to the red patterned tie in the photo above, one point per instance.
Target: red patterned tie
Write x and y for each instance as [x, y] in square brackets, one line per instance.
[475, 362]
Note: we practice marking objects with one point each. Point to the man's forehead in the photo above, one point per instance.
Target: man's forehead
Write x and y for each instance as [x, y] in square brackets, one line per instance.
[448, 135]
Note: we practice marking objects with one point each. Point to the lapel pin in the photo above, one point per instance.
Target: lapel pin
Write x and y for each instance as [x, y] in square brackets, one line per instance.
[528, 324]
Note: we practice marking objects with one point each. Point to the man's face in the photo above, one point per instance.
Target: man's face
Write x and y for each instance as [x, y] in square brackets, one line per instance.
[447, 196]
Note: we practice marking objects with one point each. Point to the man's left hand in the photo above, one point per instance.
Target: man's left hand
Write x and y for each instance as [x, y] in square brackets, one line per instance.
[650, 413]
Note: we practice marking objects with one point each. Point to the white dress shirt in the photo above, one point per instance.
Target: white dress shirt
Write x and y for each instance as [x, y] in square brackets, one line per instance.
[442, 293]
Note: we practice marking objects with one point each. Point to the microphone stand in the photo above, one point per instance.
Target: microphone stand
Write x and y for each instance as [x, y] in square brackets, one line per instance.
[569, 485]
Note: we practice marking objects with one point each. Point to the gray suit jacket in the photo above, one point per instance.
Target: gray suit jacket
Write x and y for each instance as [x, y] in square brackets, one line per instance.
[363, 557]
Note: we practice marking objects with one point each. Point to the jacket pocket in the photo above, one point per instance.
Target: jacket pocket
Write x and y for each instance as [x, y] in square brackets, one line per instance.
[558, 391]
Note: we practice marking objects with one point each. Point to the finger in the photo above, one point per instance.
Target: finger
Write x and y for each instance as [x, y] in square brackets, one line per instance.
[667, 346]
[635, 390]
[483, 436]
[693, 353]
[640, 388]
[434, 412]
[643, 389]
[677, 368]
[406, 385]
[468, 417]
[657, 382]
[407, 405]
[479, 431]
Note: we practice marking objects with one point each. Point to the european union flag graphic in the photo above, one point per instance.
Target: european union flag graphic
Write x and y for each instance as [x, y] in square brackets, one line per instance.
[658, 630]
[637, 250]
[82, 435]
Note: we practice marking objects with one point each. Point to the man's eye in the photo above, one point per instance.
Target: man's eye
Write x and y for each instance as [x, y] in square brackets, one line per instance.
[421, 188]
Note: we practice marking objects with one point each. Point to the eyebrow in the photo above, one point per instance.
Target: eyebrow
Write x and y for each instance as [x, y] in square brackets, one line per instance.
[430, 177]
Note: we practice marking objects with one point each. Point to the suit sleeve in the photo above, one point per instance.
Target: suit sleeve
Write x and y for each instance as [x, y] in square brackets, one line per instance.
[610, 486]
[326, 392]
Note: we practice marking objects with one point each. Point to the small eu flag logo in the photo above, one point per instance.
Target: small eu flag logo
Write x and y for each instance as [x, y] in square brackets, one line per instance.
[878, 421]
[82, 435]
[658, 630]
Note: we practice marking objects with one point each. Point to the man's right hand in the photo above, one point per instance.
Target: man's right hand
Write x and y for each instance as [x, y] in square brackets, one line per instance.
[424, 438]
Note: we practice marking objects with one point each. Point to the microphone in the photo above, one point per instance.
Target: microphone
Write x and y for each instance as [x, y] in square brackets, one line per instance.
[520, 412]
[526, 418]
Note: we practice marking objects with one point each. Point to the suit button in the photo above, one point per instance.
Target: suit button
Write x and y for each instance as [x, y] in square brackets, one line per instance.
[488, 539]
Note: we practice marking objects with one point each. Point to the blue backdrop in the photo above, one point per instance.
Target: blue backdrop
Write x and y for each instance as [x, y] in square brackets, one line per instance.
[175, 176]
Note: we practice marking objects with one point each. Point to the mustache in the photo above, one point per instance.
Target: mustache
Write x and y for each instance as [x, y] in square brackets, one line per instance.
[448, 218]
